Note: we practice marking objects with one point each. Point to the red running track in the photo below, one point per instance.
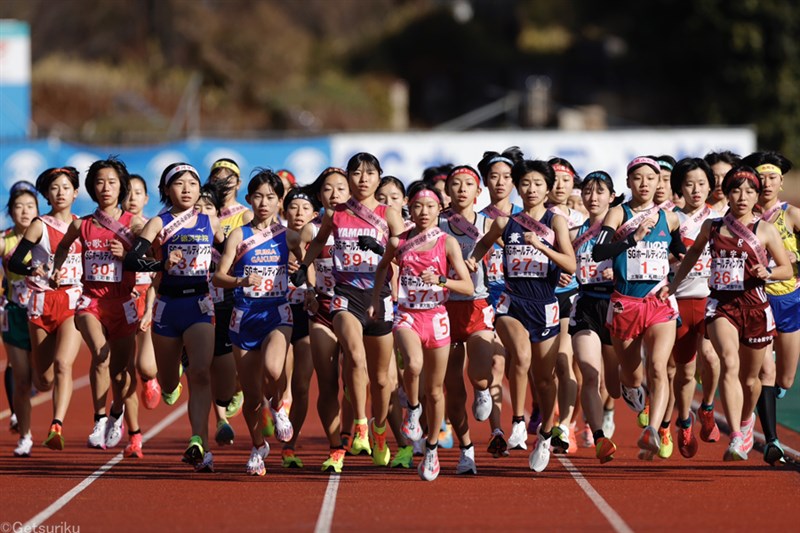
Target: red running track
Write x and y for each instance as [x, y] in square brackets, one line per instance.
[161, 493]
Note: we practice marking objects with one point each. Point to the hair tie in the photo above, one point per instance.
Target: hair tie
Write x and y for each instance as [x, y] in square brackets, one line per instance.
[644, 161]
[226, 164]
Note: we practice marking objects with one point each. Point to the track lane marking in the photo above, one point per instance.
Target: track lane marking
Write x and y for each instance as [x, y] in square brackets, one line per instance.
[83, 485]
[325, 518]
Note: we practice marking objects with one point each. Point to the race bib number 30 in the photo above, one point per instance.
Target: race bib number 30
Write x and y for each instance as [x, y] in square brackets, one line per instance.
[274, 282]
[195, 261]
[101, 266]
[727, 274]
[647, 261]
[525, 262]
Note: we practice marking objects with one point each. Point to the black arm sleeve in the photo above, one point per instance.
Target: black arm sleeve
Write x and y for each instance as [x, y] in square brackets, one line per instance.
[676, 246]
[136, 261]
[15, 263]
[605, 249]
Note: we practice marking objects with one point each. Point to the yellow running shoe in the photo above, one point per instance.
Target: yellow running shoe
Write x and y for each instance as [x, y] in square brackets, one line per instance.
[404, 458]
[380, 448]
[604, 449]
[235, 407]
[665, 448]
[172, 397]
[54, 440]
[644, 415]
[335, 462]
[289, 459]
[360, 444]
[268, 428]
[194, 453]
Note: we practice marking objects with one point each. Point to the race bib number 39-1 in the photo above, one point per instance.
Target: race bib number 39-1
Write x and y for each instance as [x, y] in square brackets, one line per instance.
[348, 257]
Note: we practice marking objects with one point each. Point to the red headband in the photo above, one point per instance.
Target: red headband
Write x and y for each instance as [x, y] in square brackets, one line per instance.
[468, 172]
[748, 176]
[563, 168]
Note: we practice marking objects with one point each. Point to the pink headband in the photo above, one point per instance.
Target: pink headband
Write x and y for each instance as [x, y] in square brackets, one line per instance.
[425, 193]
[652, 163]
[563, 168]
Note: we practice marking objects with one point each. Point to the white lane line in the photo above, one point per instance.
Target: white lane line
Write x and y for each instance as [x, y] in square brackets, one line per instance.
[602, 505]
[80, 487]
[44, 397]
[325, 518]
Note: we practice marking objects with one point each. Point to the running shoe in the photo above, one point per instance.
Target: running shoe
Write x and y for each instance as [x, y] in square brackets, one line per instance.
[54, 440]
[747, 431]
[604, 450]
[255, 464]
[347, 440]
[666, 446]
[224, 435]
[97, 438]
[150, 393]
[634, 397]
[780, 393]
[335, 462]
[380, 448]
[13, 423]
[283, 426]
[519, 436]
[466, 462]
[267, 424]
[540, 456]
[429, 467]
[534, 421]
[608, 423]
[773, 453]
[24, 446]
[171, 398]
[498, 446]
[289, 459]
[134, 447]
[360, 445]
[411, 426]
[735, 451]
[115, 428]
[649, 440]
[419, 447]
[446, 436]
[646, 455]
[709, 431]
[687, 443]
[235, 407]
[559, 441]
[404, 458]
[482, 405]
[587, 438]
[194, 453]
[402, 397]
[206, 465]
[573, 439]
[643, 418]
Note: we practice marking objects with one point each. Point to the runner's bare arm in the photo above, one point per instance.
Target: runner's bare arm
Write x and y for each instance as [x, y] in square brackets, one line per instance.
[562, 255]
[62, 250]
[769, 236]
[485, 244]
[689, 260]
[222, 277]
[381, 271]
[462, 284]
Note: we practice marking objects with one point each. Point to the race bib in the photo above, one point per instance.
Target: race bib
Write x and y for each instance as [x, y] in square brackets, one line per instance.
[647, 261]
[20, 293]
[217, 294]
[551, 312]
[236, 320]
[131, 311]
[503, 303]
[144, 278]
[526, 262]
[590, 272]
[71, 270]
[416, 294]
[348, 257]
[495, 266]
[296, 295]
[196, 259]
[324, 281]
[287, 318]
[727, 274]
[101, 266]
[441, 326]
[206, 305]
[339, 303]
[702, 269]
[274, 281]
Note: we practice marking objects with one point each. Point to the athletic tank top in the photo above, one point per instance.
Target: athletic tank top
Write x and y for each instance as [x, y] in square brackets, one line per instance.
[574, 220]
[588, 272]
[494, 262]
[778, 288]
[144, 279]
[467, 245]
[103, 276]
[413, 293]
[323, 265]
[695, 284]
[640, 268]
[43, 254]
[732, 264]
[195, 244]
[269, 259]
[16, 286]
[528, 272]
[232, 217]
[353, 266]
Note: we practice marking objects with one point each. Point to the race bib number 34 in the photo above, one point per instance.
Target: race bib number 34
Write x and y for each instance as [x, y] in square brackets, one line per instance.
[195, 261]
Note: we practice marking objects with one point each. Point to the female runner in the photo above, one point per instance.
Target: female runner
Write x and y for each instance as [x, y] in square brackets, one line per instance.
[739, 319]
[425, 255]
[55, 340]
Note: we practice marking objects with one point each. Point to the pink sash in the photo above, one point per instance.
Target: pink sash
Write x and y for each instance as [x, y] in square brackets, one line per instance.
[176, 224]
[587, 235]
[669, 205]
[464, 226]
[56, 224]
[257, 239]
[543, 232]
[744, 233]
[123, 232]
[695, 221]
[230, 211]
[430, 235]
[630, 226]
[367, 215]
[408, 225]
[493, 212]
[766, 215]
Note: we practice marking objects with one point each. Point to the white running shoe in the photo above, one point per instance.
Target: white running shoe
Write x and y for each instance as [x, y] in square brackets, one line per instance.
[13, 423]
[206, 465]
[97, 438]
[482, 405]
[747, 431]
[634, 397]
[736, 450]
[24, 445]
[429, 467]
[115, 429]
[608, 423]
[519, 436]
[418, 447]
[255, 465]
[466, 462]
[411, 427]
[649, 441]
[283, 426]
[540, 456]
[587, 438]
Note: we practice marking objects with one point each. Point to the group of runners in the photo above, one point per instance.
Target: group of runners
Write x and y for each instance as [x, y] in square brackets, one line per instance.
[399, 300]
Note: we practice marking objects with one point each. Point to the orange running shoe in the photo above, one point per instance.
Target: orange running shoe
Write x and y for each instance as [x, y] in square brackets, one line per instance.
[151, 393]
[573, 439]
[687, 443]
[605, 449]
[54, 440]
[134, 448]
[709, 431]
